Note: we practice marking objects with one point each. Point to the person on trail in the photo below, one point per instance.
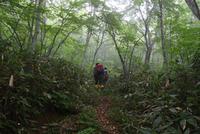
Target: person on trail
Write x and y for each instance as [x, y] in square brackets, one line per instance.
[95, 74]
[105, 75]
[99, 75]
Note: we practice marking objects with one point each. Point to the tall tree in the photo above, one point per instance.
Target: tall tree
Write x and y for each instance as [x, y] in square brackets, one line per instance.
[147, 33]
[37, 16]
[163, 44]
[192, 4]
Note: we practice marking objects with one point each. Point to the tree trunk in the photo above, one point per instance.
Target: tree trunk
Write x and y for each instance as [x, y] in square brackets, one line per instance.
[192, 4]
[131, 59]
[148, 55]
[99, 43]
[37, 24]
[149, 44]
[120, 56]
[43, 30]
[63, 41]
[89, 35]
[164, 49]
[147, 35]
[170, 41]
[51, 46]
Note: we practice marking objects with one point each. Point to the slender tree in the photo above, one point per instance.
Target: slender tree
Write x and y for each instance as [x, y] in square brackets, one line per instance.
[164, 49]
[38, 5]
[147, 33]
[192, 4]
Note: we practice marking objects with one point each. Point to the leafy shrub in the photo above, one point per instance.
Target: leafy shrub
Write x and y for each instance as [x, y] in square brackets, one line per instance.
[88, 117]
[40, 85]
[88, 121]
[64, 103]
[87, 131]
[146, 107]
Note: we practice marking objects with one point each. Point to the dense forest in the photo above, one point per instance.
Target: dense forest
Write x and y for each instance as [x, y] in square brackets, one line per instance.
[48, 52]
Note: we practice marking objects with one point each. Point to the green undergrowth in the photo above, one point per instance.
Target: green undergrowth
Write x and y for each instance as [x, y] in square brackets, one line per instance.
[88, 121]
[44, 87]
[148, 106]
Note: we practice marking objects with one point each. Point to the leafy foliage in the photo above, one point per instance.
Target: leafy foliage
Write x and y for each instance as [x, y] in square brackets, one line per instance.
[47, 49]
[150, 107]
[38, 88]
[88, 121]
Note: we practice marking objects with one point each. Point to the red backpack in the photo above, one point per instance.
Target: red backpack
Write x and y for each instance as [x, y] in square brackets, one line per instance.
[99, 68]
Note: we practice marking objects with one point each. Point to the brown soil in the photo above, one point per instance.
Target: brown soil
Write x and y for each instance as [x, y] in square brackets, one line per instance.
[102, 115]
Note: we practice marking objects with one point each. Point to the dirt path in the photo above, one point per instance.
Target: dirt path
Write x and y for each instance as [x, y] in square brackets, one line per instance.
[102, 116]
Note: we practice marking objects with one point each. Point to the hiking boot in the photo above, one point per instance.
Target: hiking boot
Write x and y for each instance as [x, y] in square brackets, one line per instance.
[101, 86]
[97, 86]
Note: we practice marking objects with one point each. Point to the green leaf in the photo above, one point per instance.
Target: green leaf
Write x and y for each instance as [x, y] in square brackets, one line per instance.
[146, 130]
[87, 131]
[165, 126]
[173, 110]
[157, 121]
[192, 122]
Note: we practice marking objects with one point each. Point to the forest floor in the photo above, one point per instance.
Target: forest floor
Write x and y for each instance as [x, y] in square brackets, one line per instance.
[104, 104]
[105, 122]
[70, 125]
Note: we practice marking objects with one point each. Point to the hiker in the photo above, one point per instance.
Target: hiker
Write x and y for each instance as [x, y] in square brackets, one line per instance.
[95, 74]
[99, 75]
[105, 75]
